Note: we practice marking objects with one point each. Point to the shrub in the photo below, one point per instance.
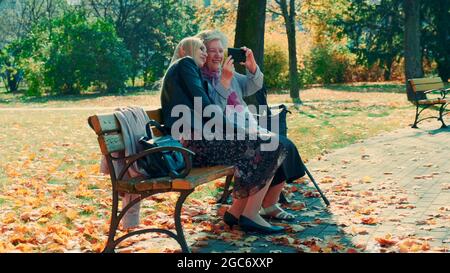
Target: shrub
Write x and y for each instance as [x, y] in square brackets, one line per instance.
[70, 54]
[276, 69]
[327, 64]
[305, 75]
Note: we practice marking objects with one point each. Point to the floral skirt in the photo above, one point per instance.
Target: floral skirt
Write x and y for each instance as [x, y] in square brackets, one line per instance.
[254, 168]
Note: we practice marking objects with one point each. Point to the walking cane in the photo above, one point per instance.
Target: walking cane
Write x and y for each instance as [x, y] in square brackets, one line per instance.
[317, 187]
[284, 200]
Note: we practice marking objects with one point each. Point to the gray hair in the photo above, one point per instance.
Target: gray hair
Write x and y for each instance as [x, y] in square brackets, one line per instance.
[211, 35]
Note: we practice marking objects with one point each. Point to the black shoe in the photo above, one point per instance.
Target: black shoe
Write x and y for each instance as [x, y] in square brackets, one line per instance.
[248, 225]
[230, 220]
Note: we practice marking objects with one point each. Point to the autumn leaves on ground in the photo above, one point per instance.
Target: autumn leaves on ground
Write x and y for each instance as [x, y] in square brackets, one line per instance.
[53, 198]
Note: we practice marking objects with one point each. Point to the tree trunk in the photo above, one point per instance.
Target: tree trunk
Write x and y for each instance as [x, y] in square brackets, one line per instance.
[443, 32]
[388, 69]
[10, 81]
[250, 28]
[289, 20]
[13, 83]
[413, 53]
[145, 78]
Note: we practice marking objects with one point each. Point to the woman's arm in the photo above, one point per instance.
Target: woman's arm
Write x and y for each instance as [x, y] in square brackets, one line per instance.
[255, 79]
[250, 83]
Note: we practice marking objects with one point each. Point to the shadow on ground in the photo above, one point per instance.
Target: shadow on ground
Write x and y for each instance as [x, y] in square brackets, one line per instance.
[313, 230]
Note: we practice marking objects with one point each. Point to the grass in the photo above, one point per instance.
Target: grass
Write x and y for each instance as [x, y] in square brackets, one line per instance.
[49, 156]
[389, 87]
[131, 97]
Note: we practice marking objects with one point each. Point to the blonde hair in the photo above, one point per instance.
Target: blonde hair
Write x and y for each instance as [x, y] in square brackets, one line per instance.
[211, 35]
[186, 47]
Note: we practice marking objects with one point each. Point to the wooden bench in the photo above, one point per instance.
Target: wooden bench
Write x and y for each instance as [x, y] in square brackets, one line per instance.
[422, 88]
[107, 128]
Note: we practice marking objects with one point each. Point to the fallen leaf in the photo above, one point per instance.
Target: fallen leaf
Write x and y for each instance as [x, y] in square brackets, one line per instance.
[386, 241]
[250, 239]
[369, 220]
[327, 179]
[366, 179]
[359, 230]
[295, 228]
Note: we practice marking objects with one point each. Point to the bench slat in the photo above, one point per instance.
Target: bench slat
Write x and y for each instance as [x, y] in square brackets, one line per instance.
[156, 115]
[104, 123]
[427, 86]
[432, 101]
[138, 185]
[426, 80]
[200, 176]
[111, 143]
[196, 177]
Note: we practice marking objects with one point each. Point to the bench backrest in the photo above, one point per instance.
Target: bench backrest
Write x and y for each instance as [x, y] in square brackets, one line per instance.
[425, 84]
[107, 128]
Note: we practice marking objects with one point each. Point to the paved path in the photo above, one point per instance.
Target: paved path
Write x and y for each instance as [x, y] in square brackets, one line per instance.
[389, 193]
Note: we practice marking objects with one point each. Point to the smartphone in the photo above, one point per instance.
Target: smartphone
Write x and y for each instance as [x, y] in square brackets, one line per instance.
[237, 54]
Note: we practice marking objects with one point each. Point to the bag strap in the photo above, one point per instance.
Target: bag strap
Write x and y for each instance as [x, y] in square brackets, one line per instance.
[158, 126]
[148, 131]
[283, 108]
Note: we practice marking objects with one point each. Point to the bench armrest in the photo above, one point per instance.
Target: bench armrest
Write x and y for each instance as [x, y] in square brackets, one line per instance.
[185, 152]
[274, 107]
[432, 90]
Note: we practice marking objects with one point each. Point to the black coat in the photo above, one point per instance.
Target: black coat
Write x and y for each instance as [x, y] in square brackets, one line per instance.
[182, 82]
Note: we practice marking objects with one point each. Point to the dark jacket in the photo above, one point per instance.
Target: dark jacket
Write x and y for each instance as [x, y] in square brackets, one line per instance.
[183, 82]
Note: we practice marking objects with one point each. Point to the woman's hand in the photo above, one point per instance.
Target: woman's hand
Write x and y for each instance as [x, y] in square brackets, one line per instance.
[227, 72]
[250, 62]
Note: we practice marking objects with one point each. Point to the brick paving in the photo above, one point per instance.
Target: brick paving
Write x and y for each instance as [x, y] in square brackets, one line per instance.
[401, 180]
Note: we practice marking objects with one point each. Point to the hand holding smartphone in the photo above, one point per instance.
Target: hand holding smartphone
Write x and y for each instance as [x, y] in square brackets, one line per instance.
[237, 54]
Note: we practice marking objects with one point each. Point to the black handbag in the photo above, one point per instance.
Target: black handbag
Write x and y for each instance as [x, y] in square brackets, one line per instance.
[165, 163]
[273, 112]
[282, 118]
[280, 113]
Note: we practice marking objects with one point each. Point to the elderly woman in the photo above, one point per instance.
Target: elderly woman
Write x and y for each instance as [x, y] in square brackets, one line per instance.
[254, 167]
[229, 88]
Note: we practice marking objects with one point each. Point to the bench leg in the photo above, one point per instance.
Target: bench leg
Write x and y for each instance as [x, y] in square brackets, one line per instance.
[178, 226]
[441, 117]
[226, 191]
[116, 218]
[110, 245]
[416, 118]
